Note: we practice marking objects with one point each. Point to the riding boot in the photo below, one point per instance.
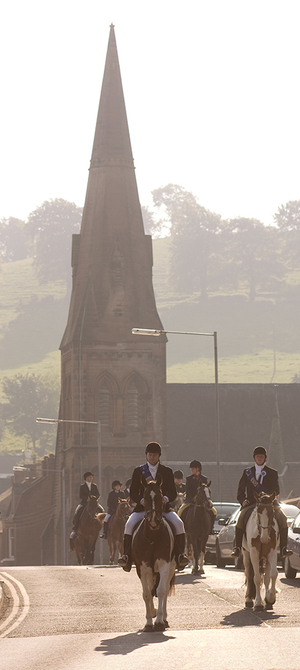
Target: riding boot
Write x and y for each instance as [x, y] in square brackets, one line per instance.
[179, 548]
[239, 532]
[126, 560]
[284, 551]
[105, 529]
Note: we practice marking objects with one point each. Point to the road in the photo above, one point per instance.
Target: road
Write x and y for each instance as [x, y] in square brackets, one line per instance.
[77, 618]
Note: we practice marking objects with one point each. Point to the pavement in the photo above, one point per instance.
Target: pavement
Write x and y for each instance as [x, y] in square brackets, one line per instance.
[232, 649]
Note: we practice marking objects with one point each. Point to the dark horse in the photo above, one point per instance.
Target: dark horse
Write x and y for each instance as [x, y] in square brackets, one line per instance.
[90, 524]
[153, 555]
[116, 529]
[197, 523]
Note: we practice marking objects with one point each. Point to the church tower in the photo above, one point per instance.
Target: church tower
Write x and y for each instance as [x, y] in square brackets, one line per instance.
[109, 375]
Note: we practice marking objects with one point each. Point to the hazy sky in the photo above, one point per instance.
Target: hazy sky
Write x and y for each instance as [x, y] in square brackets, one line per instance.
[211, 90]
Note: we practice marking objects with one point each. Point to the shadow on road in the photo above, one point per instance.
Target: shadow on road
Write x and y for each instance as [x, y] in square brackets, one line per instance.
[125, 644]
[292, 582]
[246, 617]
[187, 578]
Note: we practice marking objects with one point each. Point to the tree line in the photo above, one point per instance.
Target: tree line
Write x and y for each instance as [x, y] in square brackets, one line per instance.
[208, 253]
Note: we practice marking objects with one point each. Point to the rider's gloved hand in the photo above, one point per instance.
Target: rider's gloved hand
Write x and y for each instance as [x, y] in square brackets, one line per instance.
[165, 499]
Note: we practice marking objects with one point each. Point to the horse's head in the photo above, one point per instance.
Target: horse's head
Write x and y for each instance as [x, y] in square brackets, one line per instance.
[265, 515]
[92, 505]
[123, 509]
[153, 498]
[203, 495]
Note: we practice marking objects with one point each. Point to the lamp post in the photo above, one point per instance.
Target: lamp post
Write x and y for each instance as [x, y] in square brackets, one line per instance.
[95, 423]
[157, 333]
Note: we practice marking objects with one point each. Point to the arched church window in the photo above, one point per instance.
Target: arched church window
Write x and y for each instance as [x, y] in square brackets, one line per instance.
[133, 406]
[105, 401]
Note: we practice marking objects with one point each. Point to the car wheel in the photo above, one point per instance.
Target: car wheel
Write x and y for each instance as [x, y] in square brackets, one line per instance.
[221, 562]
[290, 573]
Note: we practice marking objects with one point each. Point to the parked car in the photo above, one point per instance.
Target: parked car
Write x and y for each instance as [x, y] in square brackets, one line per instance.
[292, 563]
[224, 512]
[225, 539]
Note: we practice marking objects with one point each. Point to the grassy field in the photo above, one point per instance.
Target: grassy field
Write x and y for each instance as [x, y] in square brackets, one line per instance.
[33, 318]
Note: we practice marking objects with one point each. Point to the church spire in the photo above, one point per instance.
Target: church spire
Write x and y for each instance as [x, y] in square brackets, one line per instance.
[112, 142]
[112, 256]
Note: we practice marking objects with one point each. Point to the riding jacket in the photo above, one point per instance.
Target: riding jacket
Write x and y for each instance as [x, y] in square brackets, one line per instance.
[85, 492]
[192, 483]
[168, 487]
[113, 500]
[269, 483]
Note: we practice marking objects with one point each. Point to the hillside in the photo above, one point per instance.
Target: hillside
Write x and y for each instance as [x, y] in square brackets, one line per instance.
[33, 318]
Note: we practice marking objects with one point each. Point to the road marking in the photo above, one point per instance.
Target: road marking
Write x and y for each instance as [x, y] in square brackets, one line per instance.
[16, 604]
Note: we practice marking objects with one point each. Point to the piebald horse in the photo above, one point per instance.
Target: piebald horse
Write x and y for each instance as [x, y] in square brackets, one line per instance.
[260, 553]
[153, 555]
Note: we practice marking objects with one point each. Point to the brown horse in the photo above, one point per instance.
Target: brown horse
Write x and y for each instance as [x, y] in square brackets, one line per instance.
[116, 529]
[90, 524]
[153, 555]
[197, 523]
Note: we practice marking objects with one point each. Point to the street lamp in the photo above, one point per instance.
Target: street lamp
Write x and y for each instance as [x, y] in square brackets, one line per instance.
[157, 333]
[95, 423]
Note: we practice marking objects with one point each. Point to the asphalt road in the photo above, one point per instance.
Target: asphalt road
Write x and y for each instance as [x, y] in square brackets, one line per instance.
[71, 618]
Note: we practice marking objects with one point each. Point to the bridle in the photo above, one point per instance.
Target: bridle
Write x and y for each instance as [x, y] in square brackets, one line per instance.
[259, 525]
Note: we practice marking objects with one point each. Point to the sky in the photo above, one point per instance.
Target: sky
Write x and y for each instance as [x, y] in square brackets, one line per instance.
[211, 90]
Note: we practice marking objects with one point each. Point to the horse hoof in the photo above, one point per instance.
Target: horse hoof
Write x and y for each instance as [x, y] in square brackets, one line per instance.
[201, 572]
[159, 627]
[195, 572]
[268, 606]
[249, 604]
[258, 608]
[148, 628]
[166, 624]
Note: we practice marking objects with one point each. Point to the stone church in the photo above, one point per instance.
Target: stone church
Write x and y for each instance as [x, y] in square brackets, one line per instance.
[109, 375]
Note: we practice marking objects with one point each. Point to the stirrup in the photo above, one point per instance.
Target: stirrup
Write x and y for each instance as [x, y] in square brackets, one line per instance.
[285, 552]
[182, 561]
[125, 563]
[236, 552]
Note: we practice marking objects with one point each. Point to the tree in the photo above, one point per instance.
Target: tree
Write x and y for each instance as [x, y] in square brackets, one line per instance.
[253, 253]
[50, 228]
[195, 237]
[13, 240]
[287, 218]
[29, 396]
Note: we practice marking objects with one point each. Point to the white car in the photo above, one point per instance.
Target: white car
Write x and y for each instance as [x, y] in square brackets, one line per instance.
[292, 563]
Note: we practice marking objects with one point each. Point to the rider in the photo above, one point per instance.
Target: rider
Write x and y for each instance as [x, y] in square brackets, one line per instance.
[150, 470]
[112, 503]
[192, 483]
[178, 479]
[262, 479]
[86, 490]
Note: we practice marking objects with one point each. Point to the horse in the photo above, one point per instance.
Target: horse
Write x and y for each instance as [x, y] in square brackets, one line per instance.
[116, 529]
[179, 500]
[197, 523]
[260, 553]
[153, 555]
[90, 524]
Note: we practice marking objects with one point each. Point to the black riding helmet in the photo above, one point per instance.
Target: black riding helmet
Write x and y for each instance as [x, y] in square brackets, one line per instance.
[260, 450]
[153, 448]
[196, 464]
[88, 474]
[178, 474]
[116, 482]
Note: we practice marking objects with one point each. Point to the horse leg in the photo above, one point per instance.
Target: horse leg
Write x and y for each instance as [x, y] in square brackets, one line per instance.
[250, 586]
[147, 585]
[195, 570]
[162, 594]
[271, 574]
[257, 578]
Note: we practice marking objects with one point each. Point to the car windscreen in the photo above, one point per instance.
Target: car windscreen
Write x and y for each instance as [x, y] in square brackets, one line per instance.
[225, 511]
